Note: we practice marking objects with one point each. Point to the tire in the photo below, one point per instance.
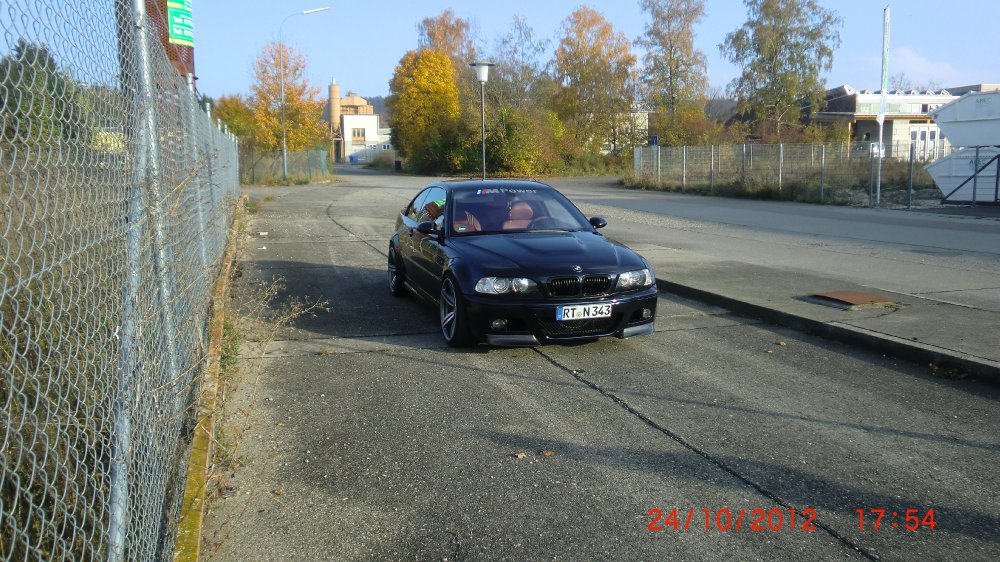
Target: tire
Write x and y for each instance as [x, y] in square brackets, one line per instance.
[454, 322]
[396, 278]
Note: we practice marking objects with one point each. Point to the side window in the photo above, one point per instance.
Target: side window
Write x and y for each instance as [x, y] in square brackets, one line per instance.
[415, 207]
[432, 206]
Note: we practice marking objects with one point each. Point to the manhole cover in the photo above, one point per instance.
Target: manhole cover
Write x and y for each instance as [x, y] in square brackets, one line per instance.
[853, 300]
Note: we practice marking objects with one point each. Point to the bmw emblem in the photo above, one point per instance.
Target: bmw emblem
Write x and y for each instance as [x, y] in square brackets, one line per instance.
[577, 268]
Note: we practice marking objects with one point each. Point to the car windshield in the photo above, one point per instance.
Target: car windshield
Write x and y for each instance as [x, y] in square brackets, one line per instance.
[513, 209]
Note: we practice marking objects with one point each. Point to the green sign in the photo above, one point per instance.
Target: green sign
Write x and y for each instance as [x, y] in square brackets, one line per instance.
[179, 26]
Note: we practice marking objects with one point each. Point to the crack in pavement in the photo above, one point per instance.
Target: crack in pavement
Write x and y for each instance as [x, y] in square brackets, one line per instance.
[704, 454]
[366, 242]
[956, 291]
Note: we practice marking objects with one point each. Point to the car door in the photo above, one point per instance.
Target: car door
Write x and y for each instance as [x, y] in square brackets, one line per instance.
[432, 249]
[408, 249]
[427, 247]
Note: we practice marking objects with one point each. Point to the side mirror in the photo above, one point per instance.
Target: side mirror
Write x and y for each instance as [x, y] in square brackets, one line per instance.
[427, 227]
[598, 222]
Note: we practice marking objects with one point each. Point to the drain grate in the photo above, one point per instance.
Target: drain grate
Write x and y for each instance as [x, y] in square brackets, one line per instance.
[853, 300]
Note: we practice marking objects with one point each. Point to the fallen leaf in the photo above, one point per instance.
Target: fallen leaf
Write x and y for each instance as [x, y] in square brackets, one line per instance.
[520, 456]
[770, 351]
[547, 454]
[781, 343]
[278, 491]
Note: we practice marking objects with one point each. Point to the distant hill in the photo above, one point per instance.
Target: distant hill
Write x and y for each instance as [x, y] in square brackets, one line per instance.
[378, 102]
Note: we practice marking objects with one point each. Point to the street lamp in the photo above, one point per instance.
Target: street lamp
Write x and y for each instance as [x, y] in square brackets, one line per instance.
[483, 74]
[281, 70]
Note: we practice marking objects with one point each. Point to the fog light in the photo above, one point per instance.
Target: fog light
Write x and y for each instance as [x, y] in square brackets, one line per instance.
[647, 314]
[500, 324]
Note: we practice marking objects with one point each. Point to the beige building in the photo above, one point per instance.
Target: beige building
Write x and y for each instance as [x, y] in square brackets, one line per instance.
[907, 118]
[354, 127]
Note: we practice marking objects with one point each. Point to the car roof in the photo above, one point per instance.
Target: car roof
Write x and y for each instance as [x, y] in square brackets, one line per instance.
[466, 185]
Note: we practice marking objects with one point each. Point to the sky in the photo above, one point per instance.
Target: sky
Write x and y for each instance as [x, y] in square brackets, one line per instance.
[358, 44]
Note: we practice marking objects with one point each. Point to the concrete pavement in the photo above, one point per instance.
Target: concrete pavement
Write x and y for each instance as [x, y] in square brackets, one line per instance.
[365, 437]
[960, 339]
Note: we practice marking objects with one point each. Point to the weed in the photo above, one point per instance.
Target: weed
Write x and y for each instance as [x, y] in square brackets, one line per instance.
[952, 373]
[230, 348]
[255, 312]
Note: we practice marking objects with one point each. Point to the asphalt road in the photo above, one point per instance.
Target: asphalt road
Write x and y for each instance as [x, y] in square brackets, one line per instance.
[367, 438]
[953, 258]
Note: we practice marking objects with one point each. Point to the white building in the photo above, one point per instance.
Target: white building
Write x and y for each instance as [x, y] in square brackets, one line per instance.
[355, 129]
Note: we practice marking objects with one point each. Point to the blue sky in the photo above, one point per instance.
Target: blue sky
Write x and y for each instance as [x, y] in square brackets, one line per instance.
[359, 43]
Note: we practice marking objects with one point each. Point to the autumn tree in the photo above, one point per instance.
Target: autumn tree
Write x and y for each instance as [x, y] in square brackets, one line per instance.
[237, 114]
[674, 78]
[782, 49]
[448, 34]
[595, 82]
[303, 109]
[452, 36]
[424, 109]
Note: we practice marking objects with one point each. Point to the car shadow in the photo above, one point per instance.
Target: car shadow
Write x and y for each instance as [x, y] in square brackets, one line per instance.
[355, 303]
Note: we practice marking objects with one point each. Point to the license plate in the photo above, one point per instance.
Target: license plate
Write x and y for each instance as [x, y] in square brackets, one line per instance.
[583, 312]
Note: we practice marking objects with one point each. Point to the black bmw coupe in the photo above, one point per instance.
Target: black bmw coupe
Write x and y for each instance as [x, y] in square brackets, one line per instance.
[515, 263]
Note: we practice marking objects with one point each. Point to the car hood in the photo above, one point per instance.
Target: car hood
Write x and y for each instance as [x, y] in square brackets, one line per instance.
[546, 253]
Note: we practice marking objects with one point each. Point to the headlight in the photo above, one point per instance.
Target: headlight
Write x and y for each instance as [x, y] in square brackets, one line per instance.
[637, 279]
[505, 285]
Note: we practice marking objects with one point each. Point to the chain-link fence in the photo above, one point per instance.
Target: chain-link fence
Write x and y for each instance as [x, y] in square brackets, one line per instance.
[266, 168]
[116, 191]
[843, 173]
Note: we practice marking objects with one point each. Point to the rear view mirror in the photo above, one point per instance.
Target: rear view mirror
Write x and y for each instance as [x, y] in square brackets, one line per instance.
[598, 222]
[427, 227]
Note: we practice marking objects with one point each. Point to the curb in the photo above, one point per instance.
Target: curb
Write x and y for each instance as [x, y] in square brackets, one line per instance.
[187, 544]
[915, 352]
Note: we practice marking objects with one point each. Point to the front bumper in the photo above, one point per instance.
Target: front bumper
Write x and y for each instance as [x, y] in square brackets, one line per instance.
[533, 321]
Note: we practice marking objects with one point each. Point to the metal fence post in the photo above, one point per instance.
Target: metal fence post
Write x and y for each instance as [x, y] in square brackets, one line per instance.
[684, 168]
[119, 474]
[191, 103]
[822, 173]
[975, 177]
[711, 171]
[996, 184]
[781, 163]
[909, 189]
[871, 175]
[658, 165]
[208, 156]
[150, 135]
[149, 152]
[743, 164]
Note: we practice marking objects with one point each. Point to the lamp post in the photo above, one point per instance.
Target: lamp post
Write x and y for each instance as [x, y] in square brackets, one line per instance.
[483, 74]
[281, 70]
